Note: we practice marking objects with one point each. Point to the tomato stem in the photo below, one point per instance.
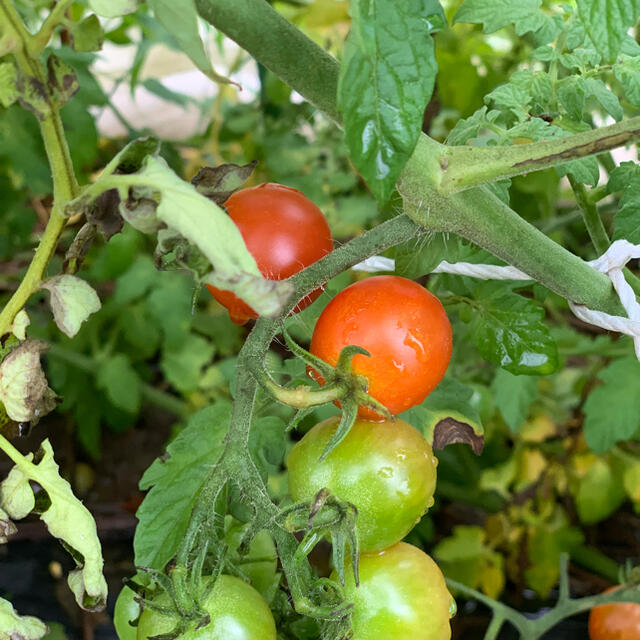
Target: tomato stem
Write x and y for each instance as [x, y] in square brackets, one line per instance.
[65, 186]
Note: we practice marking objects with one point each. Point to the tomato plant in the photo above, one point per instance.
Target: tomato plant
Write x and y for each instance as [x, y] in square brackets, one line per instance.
[479, 152]
[403, 327]
[284, 231]
[386, 469]
[235, 610]
[402, 594]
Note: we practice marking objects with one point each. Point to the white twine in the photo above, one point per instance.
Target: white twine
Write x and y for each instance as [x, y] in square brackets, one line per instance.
[610, 263]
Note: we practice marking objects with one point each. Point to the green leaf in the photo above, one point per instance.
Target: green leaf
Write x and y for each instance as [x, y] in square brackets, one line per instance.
[72, 301]
[606, 22]
[571, 93]
[19, 627]
[525, 15]
[419, 256]
[182, 363]
[585, 170]
[448, 415]
[8, 84]
[469, 128]
[386, 79]
[113, 8]
[181, 20]
[627, 223]
[175, 481]
[513, 396]
[607, 99]
[159, 89]
[545, 546]
[136, 281]
[509, 97]
[140, 330]
[267, 444]
[466, 557]
[612, 410]
[510, 331]
[121, 382]
[623, 175]
[88, 34]
[628, 74]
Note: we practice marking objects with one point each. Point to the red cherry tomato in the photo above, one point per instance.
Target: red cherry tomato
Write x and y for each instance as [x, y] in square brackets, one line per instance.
[284, 231]
[616, 621]
[402, 326]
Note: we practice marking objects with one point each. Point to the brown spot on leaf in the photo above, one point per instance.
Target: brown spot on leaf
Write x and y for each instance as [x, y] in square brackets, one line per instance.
[450, 431]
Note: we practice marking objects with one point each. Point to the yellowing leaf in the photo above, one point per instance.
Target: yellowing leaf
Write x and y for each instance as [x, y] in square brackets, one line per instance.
[23, 386]
[72, 300]
[16, 495]
[15, 627]
[70, 521]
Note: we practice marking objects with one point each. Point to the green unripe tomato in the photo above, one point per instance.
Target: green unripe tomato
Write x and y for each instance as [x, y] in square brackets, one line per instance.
[386, 469]
[236, 609]
[125, 611]
[402, 595]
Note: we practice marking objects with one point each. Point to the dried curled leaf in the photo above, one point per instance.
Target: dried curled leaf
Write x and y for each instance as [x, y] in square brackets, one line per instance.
[72, 301]
[16, 494]
[7, 528]
[20, 324]
[15, 627]
[70, 521]
[218, 183]
[23, 385]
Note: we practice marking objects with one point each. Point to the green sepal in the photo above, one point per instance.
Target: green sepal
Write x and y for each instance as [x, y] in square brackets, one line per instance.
[325, 369]
[298, 416]
[349, 414]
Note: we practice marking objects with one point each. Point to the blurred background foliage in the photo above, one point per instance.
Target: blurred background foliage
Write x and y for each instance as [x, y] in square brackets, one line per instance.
[161, 342]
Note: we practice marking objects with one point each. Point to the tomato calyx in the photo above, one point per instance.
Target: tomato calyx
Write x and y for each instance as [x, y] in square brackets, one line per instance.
[340, 385]
[325, 516]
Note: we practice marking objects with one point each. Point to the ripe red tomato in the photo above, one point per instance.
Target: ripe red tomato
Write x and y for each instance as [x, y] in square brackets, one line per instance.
[386, 469]
[616, 621]
[402, 596]
[284, 231]
[402, 326]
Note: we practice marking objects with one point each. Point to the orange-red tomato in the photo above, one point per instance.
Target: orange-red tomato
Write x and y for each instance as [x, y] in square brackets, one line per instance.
[283, 230]
[616, 621]
[402, 326]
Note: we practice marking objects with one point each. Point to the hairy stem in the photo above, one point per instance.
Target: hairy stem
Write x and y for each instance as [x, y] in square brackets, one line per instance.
[41, 39]
[480, 216]
[595, 227]
[65, 186]
[465, 167]
[310, 70]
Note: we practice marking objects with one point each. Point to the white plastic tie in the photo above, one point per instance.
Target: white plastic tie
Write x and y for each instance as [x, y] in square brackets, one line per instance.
[611, 263]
